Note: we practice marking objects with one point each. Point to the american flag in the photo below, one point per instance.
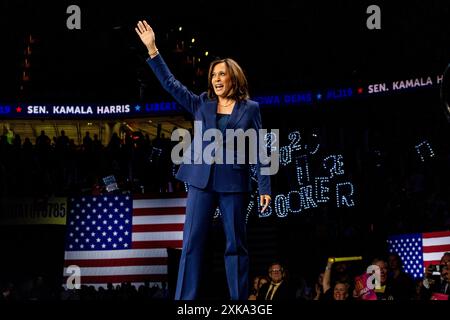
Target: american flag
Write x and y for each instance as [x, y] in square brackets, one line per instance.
[116, 239]
[419, 250]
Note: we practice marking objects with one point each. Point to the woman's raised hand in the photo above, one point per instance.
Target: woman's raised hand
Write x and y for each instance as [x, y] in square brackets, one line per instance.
[147, 35]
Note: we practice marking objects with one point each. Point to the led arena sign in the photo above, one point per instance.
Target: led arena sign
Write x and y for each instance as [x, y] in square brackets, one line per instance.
[310, 188]
[55, 111]
[75, 110]
[405, 84]
[89, 111]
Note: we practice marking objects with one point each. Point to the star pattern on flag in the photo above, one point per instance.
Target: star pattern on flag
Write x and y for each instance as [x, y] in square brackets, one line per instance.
[409, 248]
[109, 230]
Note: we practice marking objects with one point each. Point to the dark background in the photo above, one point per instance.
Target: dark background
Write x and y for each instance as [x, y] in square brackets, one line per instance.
[283, 46]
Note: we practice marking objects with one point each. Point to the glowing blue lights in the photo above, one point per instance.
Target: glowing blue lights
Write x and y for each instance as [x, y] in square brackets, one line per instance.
[308, 197]
[285, 155]
[308, 201]
[424, 150]
[334, 165]
[269, 141]
[344, 191]
[322, 189]
[217, 213]
[249, 210]
[253, 173]
[302, 170]
[295, 138]
[280, 204]
[310, 190]
[295, 146]
[310, 193]
[290, 202]
[294, 202]
[5, 109]
[174, 170]
[314, 146]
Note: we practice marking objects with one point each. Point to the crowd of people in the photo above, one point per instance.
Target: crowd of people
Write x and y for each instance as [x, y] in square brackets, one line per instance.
[38, 289]
[398, 192]
[341, 280]
[385, 280]
[60, 167]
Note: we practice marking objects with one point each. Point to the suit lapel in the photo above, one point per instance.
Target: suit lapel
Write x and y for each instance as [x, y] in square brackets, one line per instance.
[236, 115]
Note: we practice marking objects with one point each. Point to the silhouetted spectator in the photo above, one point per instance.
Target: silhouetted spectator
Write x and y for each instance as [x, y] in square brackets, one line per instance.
[401, 284]
[87, 142]
[43, 142]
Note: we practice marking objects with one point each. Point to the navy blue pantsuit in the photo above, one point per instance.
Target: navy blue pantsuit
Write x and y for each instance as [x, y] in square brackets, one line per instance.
[223, 185]
[201, 205]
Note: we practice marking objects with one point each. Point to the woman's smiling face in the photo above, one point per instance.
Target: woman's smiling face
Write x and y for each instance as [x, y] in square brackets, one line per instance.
[221, 80]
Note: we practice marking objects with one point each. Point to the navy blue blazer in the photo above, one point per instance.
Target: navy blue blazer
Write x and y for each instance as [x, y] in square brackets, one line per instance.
[227, 177]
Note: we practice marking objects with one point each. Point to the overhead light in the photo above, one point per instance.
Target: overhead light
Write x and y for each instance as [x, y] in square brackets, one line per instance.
[193, 40]
[180, 28]
[206, 53]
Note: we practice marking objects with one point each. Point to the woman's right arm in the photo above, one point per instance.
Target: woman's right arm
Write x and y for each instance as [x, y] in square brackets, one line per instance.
[177, 90]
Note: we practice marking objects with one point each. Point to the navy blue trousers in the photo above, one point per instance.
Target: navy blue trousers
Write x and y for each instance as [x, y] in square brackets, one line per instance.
[201, 205]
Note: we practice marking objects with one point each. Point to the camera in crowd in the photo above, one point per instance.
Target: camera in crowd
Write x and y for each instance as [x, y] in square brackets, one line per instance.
[434, 268]
[437, 269]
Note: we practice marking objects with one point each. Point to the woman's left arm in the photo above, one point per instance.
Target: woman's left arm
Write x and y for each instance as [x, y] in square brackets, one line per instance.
[263, 180]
